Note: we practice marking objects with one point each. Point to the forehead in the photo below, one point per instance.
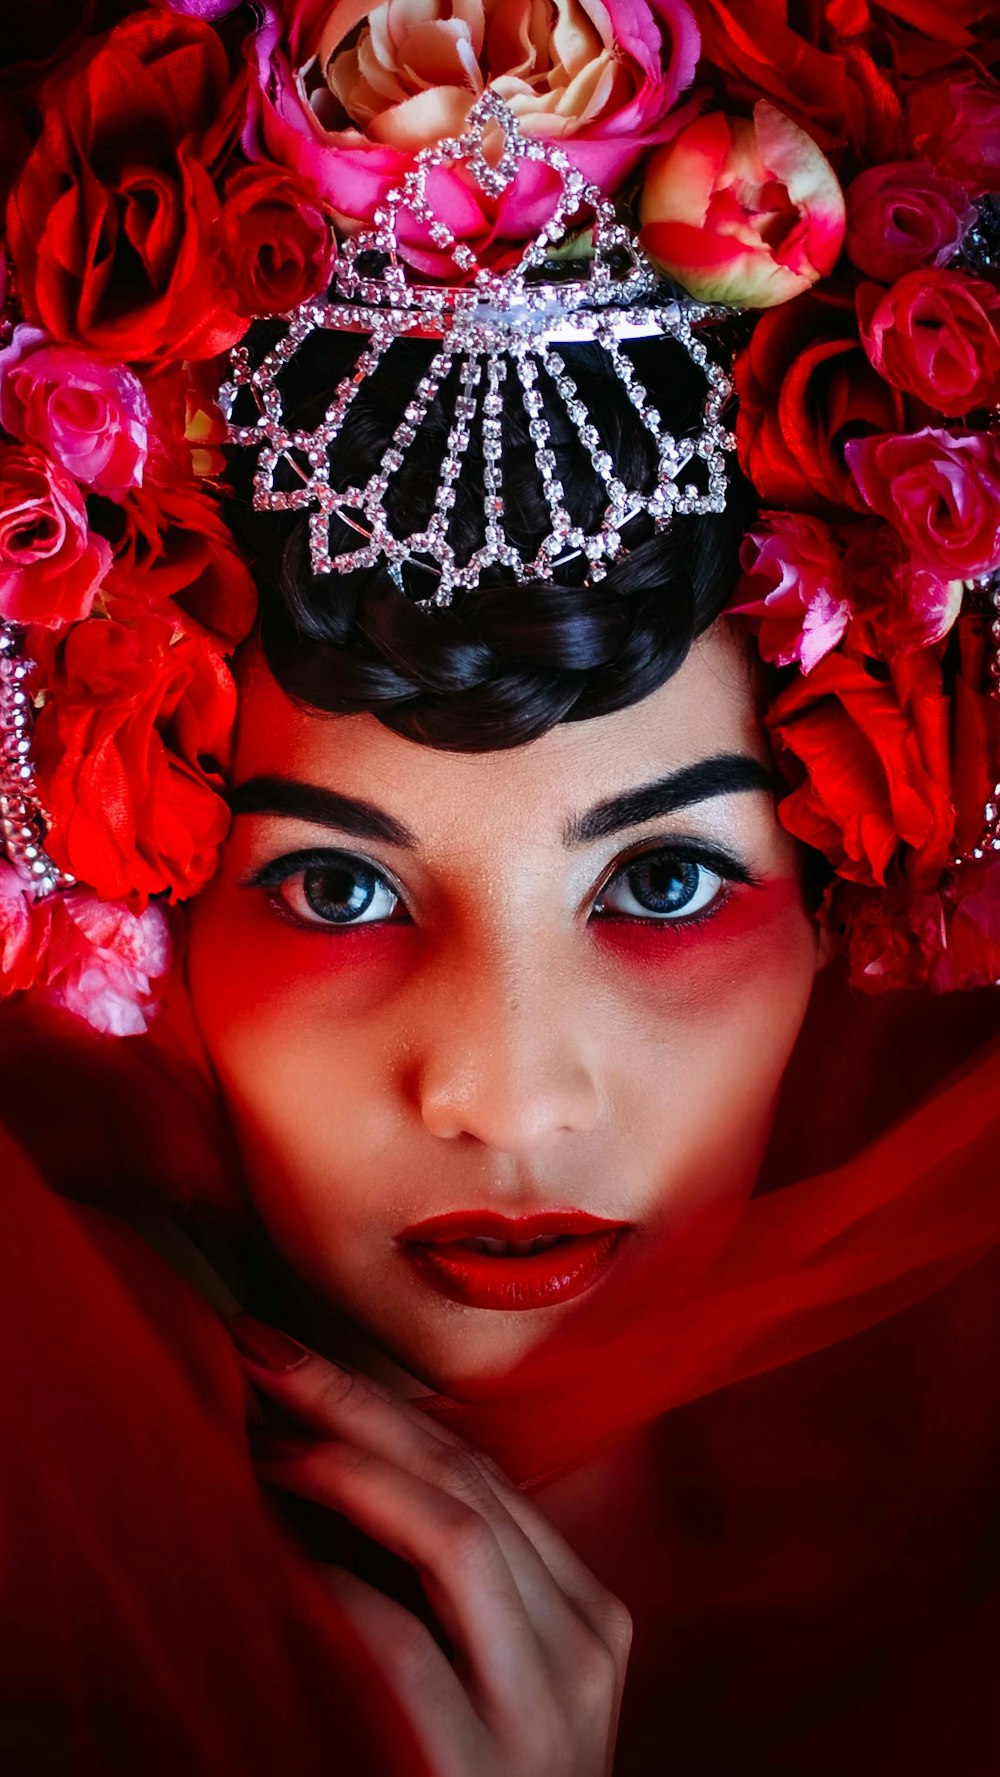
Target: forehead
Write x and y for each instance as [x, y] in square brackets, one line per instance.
[708, 707]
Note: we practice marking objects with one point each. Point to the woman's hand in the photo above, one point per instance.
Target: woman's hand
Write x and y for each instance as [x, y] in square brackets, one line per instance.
[540, 1647]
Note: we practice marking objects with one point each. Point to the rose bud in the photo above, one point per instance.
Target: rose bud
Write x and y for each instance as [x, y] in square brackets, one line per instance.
[936, 335]
[941, 491]
[954, 121]
[905, 215]
[739, 212]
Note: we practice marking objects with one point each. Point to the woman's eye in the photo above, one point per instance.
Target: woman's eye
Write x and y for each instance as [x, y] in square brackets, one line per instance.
[660, 887]
[334, 892]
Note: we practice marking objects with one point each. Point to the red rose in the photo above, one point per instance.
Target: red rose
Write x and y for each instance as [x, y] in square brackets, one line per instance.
[15, 146]
[113, 220]
[39, 37]
[130, 746]
[188, 430]
[172, 544]
[904, 215]
[817, 74]
[948, 940]
[934, 335]
[942, 21]
[954, 121]
[276, 240]
[50, 565]
[869, 759]
[945, 941]
[941, 490]
[897, 604]
[805, 387]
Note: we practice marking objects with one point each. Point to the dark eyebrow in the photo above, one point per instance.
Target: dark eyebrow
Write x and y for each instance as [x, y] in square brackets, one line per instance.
[722, 776]
[327, 808]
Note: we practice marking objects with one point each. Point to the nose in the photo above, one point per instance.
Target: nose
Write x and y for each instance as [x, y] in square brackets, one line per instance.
[507, 1057]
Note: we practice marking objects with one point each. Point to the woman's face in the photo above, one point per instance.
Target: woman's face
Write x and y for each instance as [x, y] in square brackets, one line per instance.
[565, 977]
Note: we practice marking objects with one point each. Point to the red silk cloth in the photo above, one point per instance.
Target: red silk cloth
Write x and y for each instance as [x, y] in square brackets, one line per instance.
[154, 1618]
[157, 1617]
[904, 1094]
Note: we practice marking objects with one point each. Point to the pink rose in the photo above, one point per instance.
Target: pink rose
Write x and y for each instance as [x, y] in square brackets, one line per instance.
[905, 215]
[103, 959]
[91, 417]
[954, 121]
[934, 335]
[808, 585]
[792, 593]
[348, 98]
[899, 604]
[202, 9]
[941, 490]
[50, 565]
[93, 958]
[740, 212]
[23, 932]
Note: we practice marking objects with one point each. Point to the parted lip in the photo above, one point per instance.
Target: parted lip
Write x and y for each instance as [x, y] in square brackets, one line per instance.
[472, 1223]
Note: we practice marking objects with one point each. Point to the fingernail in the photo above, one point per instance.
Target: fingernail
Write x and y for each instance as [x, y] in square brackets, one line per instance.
[265, 1346]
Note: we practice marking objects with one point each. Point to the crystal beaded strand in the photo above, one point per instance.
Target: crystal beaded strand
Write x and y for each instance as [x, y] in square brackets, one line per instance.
[988, 588]
[22, 818]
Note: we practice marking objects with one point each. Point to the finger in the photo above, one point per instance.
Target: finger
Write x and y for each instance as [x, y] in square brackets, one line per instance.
[454, 1549]
[331, 1398]
[447, 1729]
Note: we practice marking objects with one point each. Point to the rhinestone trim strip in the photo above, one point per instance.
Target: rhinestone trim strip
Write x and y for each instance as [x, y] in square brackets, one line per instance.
[23, 822]
[988, 588]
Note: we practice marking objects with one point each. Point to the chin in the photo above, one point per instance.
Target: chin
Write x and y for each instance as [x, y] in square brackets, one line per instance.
[459, 1359]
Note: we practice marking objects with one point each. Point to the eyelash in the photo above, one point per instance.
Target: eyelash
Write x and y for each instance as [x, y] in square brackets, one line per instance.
[274, 875]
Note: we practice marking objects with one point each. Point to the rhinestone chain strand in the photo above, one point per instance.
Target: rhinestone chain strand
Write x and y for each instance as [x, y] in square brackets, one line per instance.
[23, 822]
[989, 839]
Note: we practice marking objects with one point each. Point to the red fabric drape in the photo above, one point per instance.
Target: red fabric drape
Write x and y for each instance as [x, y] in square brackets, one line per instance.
[904, 1094]
[156, 1617]
[153, 1616]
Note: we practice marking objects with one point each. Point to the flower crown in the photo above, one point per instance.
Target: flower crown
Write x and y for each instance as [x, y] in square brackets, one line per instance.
[844, 185]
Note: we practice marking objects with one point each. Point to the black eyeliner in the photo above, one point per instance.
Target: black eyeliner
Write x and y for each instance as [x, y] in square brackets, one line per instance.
[688, 851]
[316, 857]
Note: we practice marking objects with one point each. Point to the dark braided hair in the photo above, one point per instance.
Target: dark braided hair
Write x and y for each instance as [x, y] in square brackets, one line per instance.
[506, 661]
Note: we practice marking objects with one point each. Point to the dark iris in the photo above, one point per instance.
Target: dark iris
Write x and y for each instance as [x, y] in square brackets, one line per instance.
[664, 885]
[339, 892]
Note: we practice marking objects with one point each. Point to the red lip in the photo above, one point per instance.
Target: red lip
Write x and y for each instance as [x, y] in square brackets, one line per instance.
[466, 1224]
[538, 1280]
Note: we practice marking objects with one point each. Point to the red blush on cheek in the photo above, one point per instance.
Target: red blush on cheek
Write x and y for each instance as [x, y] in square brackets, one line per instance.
[743, 924]
[383, 942]
[365, 961]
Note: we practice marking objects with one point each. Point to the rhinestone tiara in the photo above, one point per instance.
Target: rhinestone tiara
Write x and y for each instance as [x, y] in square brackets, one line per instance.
[491, 329]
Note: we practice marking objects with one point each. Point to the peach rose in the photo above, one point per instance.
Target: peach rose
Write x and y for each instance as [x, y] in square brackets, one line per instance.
[348, 95]
[745, 213]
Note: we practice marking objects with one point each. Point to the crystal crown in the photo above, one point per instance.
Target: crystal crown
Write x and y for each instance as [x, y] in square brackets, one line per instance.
[489, 326]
